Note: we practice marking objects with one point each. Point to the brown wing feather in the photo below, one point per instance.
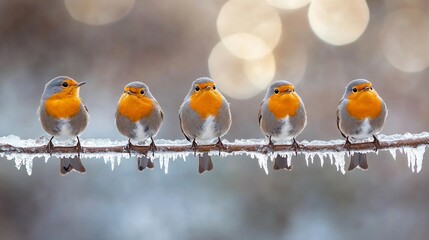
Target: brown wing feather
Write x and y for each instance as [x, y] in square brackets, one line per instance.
[84, 106]
[259, 114]
[180, 121]
[338, 123]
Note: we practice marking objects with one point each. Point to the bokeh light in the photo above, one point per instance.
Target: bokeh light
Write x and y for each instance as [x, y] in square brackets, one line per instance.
[338, 22]
[246, 46]
[404, 39]
[247, 18]
[288, 4]
[239, 78]
[98, 12]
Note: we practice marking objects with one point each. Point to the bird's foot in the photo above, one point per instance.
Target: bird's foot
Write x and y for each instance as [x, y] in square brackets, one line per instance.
[376, 143]
[220, 145]
[194, 147]
[296, 146]
[50, 146]
[347, 144]
[78, 147]
[129, 147]
[152, 147]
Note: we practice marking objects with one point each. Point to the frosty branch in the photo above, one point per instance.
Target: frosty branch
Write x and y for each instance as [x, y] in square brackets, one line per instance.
[257, 146]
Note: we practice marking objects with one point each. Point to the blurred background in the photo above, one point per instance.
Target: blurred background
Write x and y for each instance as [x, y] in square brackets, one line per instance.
[243, 45]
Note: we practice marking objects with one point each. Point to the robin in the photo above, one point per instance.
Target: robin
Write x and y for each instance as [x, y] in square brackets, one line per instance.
[139, 117]
[204, 117]
[360, 115]
[282, 117]
[64, 115]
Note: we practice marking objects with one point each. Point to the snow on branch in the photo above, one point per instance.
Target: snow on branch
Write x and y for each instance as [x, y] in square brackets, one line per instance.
[24, 151]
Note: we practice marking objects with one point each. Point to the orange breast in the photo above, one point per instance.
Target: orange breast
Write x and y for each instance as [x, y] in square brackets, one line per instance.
[206, 103]
[135, 108]
[365, 105]
[283, 105]
[64, 108]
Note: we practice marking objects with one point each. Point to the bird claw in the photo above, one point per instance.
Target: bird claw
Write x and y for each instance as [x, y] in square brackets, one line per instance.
[152, 147]
[129, 147]
[270, 145]
[50, 146]
[194, 147]
[376, 143]
[220, 145]
[296, 146]
[78, 147]
[347, 144]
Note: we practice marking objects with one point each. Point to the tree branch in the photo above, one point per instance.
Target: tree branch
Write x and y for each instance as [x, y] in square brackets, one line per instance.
[257, 146]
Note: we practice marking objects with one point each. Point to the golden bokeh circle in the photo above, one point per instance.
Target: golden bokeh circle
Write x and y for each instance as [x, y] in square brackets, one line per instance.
[239, 78]
[288, 4]
[338, 22]
[404, 39]
[98, 12]
[252, 20]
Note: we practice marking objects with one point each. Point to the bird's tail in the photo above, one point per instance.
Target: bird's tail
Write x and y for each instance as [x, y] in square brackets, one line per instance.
[358, 159]
[144, 162]
[205, 163]
[69, 164]
[281, 163]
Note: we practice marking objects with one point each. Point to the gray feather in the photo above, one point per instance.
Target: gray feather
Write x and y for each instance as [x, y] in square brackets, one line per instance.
[281, 163]
[69, 164]
[204, 163]
[358, 159]
[144, 162]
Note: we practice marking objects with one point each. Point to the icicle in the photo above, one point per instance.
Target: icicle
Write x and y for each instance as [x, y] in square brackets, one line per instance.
[339, 160]
[420, 151]
[321, 156]
[111, 160]
[393, 152]
[263, 162]
[415, 158]
[307, 156]
[29, 165]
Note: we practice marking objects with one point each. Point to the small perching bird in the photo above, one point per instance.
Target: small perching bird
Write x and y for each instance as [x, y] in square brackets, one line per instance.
[361, 114]
[204, 117]
[139, 117]
[63, 114]
[282, 117]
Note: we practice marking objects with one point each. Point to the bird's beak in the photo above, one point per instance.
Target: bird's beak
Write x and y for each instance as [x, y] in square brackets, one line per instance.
[287, 91]
[366, 88]
[80, 84]
[207, 88]
[129, 92]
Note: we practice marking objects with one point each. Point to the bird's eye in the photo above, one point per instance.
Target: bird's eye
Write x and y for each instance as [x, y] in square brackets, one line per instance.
[276, 91]
[142, 92]
[197, 88]
[371, 88]
[354, 89]
[293, 90]
[214, 87]
[65, 84]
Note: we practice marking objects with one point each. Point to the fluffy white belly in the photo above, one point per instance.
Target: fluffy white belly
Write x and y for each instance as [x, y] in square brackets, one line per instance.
[365, 130]
[65, 130]
[140, 134]
[207, 135]
[284, 135]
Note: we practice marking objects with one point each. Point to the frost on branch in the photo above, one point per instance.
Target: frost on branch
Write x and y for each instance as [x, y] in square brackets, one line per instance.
[24, 151]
